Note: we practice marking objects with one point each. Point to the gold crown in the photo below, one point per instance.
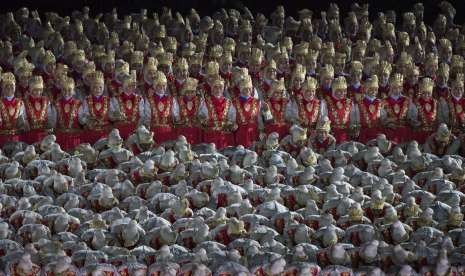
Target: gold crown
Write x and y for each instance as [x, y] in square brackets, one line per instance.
[109, 57]
[324, 125]
[457, 61]
[327, 71]
[356, 66]
[458, 80]
[137, 57]
[301, 49]
[340, 58]
[226, 58]
[287, 43]
[212, 68]
[310, 84]
[256, 56]
[445, 43]
[372, 82]
[218, 81]
[385, 67]
[67, 83]
[196, 58]
[160, 32]
[246, 82]
[190, 85]
[272, 65]
[396, 80]
[299, 71]
[160, 78]
[8, 77]
[443, 70]
[278, 85]
[36, 82]
[405, 59]
[339, 83]
[188, 50]
[48, 58]
[158, 50]
[171, 44]
[312, 55]
[216, 51]
[96, 77]
[151, 64]
[24, 71]
[431, 60]
[166, 59]
[229, 45]
[426, 84]
[181, 64]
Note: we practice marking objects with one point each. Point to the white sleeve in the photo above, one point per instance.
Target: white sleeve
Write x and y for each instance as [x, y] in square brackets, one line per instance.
[83, 113]
[142, 112]
[148, 112]
[290, 112]
[52, 116]
[203, 110]
[114, 108]
[232, 114]
[175, 110]
[412, 113]
[323, 109]
[443, 112]
[22, 116]
[355, 116]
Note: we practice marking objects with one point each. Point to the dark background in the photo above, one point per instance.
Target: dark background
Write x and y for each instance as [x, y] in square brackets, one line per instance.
[207, 7]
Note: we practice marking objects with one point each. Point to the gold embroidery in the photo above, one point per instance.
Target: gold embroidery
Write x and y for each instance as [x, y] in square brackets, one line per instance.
[312, 108]
[101, 116]
[371, 115]
[160, 115]
[9, 118]
[130, 107]
[277, 110]
[396, 112]
[186, 108]
[427, 114]
[337, 121]
[69, 110]
[240, 110]
[37, 115]
[217, 124]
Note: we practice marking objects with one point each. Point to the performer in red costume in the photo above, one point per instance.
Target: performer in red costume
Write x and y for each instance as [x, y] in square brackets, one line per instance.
[425, 112]
[309, 109]
[397, 107]
[162, 110]
[452, 110]
[181, 73]
[341, 111]
[189, 108]
[269, 74]
[95, 115]
[219, 117]
[369, 112]
[129, 107]
[12, 111]
[40, 114]
[278, 110]
[248, 118]
[68, 129]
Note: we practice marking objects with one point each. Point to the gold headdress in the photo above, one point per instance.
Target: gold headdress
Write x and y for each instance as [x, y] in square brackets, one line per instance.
[426, 84]
[310, 84]
[190, 85]
[339, 83]
[324, 125]
[396, 80]
[36, 82]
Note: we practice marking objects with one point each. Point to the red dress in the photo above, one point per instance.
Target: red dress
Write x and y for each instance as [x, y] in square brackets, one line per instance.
[397, 114]
[265, 89]
[37, 117]
[188, 111]
[339, 114]
[161, 110]
[279, 124]
[218, 109]
[309, 113]
[456, 114]
[323, 92]
[10, 111]
[427, 115]
[129, 106]
[68, 130]
[370, 113]
[99, 112]
[246, 116]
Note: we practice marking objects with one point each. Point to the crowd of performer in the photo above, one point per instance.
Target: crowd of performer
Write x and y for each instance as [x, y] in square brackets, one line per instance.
[189, 76]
